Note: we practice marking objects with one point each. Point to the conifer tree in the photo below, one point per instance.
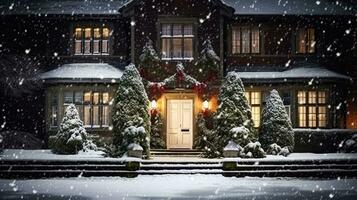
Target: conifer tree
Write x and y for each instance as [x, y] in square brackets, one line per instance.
[71, 136]
[149, 59]
[234, 118]
[131, 112]
[156, 140]
[276, 125]
[207, 62]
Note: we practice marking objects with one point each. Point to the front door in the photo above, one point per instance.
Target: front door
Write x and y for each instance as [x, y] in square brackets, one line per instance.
[179, 123]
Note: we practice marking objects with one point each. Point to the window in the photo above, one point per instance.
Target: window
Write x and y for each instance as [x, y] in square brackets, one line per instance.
[93, 107]
[54, 109]
[177, 41]
[245, 40]
[306, 41]
[312, 109]
[254, 99]
[91, 41]
[286, 97]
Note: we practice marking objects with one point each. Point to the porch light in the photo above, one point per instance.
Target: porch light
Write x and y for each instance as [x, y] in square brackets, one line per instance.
[205, 105]
[153, 105]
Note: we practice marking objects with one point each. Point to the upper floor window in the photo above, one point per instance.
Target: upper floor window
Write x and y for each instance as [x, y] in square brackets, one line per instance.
[312, 109]
[306, 41]
[245, 40]
[177, 41]
[91, 41]
[254, 99]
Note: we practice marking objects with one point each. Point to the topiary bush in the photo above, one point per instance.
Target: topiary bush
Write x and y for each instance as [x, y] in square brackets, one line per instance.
[131, 119]
[276, 125]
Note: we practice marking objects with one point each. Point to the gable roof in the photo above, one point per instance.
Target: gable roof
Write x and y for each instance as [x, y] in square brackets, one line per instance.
[242, 7]
[293, 7]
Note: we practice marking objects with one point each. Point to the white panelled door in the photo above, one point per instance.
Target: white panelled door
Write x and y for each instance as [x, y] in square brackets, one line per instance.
[179, 123]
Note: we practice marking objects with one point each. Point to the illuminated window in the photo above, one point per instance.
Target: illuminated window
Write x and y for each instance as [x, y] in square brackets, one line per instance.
[93, 107]
[312, 109]
[254, 99]
[306, 41]
[245, 40]
[177, 41]
[89, 41]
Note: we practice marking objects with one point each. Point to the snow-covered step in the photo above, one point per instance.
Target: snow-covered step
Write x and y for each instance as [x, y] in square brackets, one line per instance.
[296, 167]
[180, 166]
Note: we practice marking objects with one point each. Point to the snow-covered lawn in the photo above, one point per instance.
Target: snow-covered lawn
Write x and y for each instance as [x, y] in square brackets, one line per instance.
[19, 154]
[179, 187]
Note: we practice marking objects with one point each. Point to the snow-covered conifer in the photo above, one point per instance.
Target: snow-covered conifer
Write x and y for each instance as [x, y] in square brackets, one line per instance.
[71, 136]
[156, 140]
[276, 125]
[149, 58]
[233, 112]
[131, 110]
[207, 62]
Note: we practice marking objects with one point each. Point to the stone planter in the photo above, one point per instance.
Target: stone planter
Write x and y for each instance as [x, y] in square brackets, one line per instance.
[135, 150]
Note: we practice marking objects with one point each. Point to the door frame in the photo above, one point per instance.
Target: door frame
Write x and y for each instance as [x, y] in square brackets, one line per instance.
[180, 95]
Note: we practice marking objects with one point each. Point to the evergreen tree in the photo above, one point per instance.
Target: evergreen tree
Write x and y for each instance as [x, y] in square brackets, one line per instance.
[156, 140]
[206, 139]
[71, 136]
[276, 125]
[131, 110]
[207, 62]
[234, 118]
[149, 59]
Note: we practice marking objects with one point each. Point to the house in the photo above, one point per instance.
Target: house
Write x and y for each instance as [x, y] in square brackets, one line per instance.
[304, 49]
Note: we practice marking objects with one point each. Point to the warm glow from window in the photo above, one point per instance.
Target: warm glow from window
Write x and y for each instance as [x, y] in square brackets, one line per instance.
[312, 110]
[254, 99]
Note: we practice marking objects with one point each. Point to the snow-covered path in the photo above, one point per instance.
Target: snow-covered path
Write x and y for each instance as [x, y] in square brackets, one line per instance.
[178, 187]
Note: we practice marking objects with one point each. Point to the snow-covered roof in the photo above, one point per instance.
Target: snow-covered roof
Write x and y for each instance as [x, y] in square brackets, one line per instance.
[244, 7]
[291, 7]
[70, 7]
[309, 73]
[83, 72]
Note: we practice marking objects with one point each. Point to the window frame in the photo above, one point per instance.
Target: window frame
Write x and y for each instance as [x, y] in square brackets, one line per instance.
[233, 43]
[316, 105]
[102, 39]
[248, 95]
[307, 41]
[170, 38]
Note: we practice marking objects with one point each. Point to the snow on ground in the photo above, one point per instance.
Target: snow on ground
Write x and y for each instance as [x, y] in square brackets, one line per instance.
[20, 154]
[178, 187]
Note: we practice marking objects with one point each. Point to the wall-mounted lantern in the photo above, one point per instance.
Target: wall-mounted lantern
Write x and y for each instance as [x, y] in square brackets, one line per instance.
[205, 105]
[153, 104]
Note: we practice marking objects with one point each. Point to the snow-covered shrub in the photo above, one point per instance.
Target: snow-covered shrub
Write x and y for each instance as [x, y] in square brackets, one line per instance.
[253, 150]
[206, 139]
[349, 145]
[276, 125]
[241, 135]
[284, 151]
[207, 63]
[156, 141]
[273, 149]
[71, 136]
[131, 120]
[233, 113]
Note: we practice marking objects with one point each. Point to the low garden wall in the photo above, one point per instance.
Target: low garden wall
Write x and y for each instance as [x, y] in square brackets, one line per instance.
[320, 140]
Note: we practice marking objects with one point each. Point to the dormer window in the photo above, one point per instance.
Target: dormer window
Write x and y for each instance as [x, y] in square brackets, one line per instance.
[177, 41]
[305, 41]
[91, 41]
